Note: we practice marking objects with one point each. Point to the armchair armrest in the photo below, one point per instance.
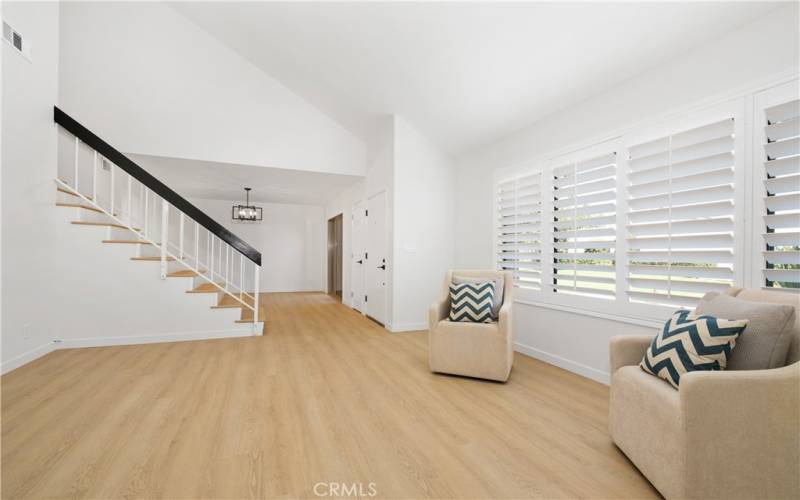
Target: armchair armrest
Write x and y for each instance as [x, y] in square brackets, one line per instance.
[626, 350]
[504, 318]
[743, 426]
[437, 312]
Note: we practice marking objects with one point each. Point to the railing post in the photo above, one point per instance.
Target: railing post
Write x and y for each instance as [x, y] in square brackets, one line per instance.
[180, 237]
[241, 274]
[197, 246]
[112, 188]
[94, 178]
[130, 201]
[211, 238]
[146, 211]
[164, 234]
[227, 263]
[77, 149]
[255, 298]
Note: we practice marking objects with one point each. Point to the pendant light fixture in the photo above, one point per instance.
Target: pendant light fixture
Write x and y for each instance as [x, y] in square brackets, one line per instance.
[247, 212]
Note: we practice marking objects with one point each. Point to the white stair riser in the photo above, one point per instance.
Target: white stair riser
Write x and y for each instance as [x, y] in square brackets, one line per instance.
[62, 197]
[123, 234]
[85, 215]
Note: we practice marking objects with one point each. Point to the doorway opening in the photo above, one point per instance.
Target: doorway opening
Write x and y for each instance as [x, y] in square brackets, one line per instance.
[335, 237]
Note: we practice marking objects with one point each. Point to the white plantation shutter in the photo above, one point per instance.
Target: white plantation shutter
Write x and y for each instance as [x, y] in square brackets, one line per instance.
[519, 229]
[680, 219]
[584, 226]
[781, 192]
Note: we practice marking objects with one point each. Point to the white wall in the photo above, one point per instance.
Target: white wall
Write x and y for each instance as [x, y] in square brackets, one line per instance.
[756, 52]
[149, 81]
[424, 218]
[292, 240]
[29, 91]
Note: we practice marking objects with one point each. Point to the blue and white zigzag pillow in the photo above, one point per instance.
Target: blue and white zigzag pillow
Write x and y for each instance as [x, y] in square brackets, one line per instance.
[690, 343]
[471, 302]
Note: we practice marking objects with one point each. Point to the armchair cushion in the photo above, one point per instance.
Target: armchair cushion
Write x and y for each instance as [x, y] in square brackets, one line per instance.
[691, 343]
[768, 335]
[472, 302]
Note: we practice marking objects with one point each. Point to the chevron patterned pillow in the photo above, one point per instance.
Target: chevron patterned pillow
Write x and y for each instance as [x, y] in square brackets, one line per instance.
[690, 343]
[471, 302]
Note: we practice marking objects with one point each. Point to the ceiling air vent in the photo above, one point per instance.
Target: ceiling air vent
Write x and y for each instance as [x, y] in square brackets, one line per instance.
[16, 40]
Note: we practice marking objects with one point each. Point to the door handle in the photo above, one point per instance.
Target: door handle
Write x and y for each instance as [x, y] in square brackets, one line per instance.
[359, 262]
[382, 266]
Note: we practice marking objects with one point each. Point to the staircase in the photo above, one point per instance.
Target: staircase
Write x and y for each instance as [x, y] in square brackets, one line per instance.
[170, 237]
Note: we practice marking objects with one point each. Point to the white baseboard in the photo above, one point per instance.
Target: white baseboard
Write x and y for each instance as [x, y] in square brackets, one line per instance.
[407, 327]
[25, 358]
[567, 364]
[245, 331]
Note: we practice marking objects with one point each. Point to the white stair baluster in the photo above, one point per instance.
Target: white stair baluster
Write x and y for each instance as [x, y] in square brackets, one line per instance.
[197, 246]
[255, 298]
[77, 149]
[111, 210]
[94, 178]
[180, 237]
[164, 235]
[130, 201]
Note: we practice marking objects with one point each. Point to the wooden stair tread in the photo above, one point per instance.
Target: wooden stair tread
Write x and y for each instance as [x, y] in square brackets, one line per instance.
[247, 315]
[153, 258]
[205, 288]
[229, 300]
[62, 190]
[78, 205]
[109, 224]
[183, 273]
[140, 242]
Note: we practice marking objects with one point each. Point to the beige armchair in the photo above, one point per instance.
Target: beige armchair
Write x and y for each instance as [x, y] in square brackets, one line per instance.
[481, 350]
[723, 434]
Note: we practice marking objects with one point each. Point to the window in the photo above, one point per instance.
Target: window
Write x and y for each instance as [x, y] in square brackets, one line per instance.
[681, 215]
[780, 158]
[519, 229]
[584, 226]
[654, 217]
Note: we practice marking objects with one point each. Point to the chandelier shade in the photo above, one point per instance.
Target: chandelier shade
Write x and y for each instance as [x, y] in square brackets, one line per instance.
[247, 212]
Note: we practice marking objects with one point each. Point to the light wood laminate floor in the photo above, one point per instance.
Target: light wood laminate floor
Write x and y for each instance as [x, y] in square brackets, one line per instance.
[327, 396]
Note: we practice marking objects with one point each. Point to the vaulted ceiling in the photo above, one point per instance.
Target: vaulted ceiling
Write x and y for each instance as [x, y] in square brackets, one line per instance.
[465, 74]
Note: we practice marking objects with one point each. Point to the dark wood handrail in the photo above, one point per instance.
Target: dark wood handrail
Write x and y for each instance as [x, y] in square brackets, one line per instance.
[108, 152]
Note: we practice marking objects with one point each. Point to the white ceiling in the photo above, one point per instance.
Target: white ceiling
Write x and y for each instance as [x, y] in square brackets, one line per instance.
[465, 74]
[218, 181]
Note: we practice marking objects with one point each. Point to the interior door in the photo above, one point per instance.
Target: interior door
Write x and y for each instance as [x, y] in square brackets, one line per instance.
[375, 263]
[357, 254]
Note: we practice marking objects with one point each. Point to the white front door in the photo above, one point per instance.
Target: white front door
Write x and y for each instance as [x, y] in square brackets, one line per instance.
[357, 253]
[375, 263]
